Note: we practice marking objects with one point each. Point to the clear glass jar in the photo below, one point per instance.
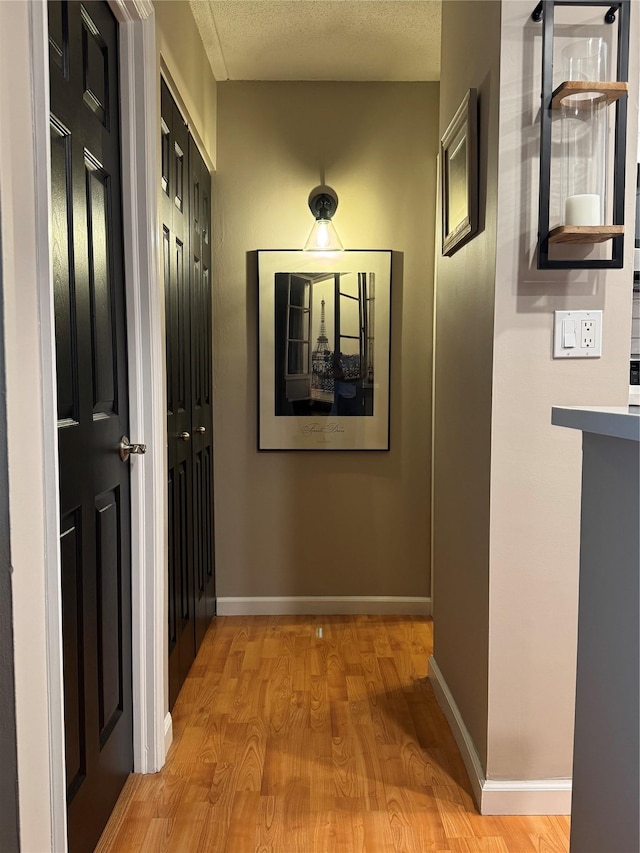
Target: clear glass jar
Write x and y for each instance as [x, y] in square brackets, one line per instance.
[583, 135]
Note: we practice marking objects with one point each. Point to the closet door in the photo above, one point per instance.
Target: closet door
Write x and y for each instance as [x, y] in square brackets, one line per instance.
[201, 390]
[186, 241]
[175, 247]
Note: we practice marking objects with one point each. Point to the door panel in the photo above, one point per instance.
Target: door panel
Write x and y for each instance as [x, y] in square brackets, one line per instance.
[62, 263]
[95, 538]
[108, 583]
[101, 292]
[71, 554]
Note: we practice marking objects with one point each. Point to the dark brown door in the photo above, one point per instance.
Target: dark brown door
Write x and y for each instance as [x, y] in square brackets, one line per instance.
[175, 247]
[92, 412]
[201, 390]
[186, 241]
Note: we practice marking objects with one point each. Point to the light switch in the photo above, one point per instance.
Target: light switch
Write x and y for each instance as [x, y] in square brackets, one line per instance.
[577, 334]
[568, 334]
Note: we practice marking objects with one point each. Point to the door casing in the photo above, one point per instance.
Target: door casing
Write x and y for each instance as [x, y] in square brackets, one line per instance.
[31, 408]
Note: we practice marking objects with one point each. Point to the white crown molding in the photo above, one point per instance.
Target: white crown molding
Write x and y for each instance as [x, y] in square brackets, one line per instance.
[321, 605]
[205, 20]
[504, 797]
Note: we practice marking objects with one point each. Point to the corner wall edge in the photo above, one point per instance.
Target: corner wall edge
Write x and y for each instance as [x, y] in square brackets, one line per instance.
[498, 797]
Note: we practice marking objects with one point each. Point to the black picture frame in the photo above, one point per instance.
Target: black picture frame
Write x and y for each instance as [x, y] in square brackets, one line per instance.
[324, 349]
[459, 175]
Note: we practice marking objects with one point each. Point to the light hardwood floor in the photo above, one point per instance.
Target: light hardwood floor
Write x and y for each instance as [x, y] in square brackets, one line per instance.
[313, 734]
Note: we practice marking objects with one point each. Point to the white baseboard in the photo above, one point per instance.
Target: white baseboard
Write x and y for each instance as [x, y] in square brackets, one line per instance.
[321, 605]
[526, 796]
[504, 797]
[168, 732]
[460, 732]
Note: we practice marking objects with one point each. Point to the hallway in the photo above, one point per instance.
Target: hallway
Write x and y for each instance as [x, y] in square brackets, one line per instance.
[301, 734]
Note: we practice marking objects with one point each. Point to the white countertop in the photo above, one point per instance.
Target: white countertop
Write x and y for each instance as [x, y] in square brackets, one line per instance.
[615, 421]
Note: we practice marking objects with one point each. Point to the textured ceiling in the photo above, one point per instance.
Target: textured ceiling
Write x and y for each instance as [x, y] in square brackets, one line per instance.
[320, 39]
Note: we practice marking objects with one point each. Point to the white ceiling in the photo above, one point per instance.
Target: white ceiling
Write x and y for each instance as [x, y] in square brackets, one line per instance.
[320, 39]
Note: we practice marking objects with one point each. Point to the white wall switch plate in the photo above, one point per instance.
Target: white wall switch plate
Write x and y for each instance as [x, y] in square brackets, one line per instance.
[577, 334]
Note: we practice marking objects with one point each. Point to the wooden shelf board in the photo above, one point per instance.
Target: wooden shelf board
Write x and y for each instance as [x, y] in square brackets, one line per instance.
[585, 233]
[609, 91]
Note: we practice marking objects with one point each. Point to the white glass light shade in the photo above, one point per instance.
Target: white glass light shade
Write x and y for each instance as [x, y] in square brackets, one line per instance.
[323, 238]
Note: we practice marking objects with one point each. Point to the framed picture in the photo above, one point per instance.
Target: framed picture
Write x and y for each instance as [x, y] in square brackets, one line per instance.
[459, 175]
[324, 350]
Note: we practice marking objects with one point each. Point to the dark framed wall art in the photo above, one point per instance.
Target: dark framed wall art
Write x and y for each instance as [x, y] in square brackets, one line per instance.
[324, 350]
[459, 175]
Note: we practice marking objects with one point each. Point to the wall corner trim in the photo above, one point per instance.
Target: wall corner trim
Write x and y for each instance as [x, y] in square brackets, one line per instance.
[505, 796]
[324, 605]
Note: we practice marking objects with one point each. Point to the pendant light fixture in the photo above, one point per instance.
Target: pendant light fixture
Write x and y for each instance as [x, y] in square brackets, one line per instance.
[323, 202]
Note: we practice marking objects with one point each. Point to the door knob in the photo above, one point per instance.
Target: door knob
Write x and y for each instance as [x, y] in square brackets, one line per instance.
[184, 436]
[125, 448]
[201, 430]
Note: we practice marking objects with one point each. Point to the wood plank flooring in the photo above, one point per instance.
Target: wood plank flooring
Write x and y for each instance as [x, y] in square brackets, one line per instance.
[314, 735]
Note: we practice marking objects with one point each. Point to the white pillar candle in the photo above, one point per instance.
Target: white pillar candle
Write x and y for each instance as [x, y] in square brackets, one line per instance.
[583, 209]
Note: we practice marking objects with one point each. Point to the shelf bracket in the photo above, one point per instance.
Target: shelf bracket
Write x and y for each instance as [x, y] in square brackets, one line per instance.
[610, 17]
[538, 13]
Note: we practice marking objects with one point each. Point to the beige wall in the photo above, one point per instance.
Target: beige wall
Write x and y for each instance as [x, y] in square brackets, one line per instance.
[185, 64]
[336, 524]
[463, 364]
[505, 600]
[536, 468]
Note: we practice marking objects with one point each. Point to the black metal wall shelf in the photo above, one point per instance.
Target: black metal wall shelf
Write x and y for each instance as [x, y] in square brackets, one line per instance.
[614, 92]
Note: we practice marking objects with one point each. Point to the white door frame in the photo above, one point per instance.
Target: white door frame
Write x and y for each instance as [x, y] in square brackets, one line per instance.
[147, 406]
[31, 405]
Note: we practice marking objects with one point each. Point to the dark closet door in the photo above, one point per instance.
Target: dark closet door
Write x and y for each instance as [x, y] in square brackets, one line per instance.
[186, 240]
[175, 243]
[201, 390]
[92, 412]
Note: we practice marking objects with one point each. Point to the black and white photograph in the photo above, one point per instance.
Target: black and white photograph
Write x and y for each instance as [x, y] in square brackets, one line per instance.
[324, 350]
